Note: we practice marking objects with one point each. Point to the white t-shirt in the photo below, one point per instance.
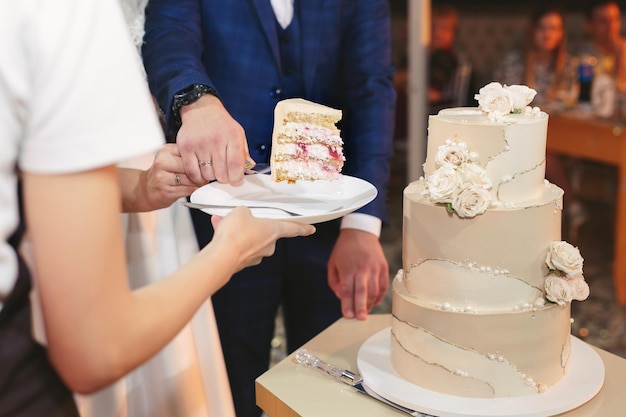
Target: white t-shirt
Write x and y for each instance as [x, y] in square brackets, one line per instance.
[71, 98]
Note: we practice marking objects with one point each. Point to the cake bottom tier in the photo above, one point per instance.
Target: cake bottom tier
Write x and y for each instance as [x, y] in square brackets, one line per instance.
[484, 355]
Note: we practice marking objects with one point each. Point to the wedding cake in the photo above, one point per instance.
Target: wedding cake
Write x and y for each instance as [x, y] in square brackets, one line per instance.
[481, 307]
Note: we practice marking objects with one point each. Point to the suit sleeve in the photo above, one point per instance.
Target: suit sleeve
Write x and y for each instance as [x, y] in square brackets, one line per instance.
[369, 99]
[172, 50]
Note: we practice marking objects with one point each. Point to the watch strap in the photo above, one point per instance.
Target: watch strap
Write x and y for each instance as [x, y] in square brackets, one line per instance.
[187, 96]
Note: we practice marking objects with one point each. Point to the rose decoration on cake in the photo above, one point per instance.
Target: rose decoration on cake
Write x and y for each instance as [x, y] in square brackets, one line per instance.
[499, 100]
[471, 202]
[564, 257]
[557, 290]
[459, 181]
[580, 288]
[443, 184]
[566, 281]
[453, 154]
[474, 175]
[521, 96]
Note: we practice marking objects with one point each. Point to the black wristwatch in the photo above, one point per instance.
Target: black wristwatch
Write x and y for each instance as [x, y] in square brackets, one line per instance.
[188, 96]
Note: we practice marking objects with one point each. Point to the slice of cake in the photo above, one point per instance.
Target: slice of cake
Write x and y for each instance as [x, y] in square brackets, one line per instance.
[305, 142]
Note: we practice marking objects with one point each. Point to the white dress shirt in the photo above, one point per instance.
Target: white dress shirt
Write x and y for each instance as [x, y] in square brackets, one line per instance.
[283, 9]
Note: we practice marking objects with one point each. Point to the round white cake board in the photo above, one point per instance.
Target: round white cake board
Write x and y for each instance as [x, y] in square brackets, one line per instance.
[582, 382]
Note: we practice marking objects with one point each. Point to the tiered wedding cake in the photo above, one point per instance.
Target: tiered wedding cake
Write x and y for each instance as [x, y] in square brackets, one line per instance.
[482, 305]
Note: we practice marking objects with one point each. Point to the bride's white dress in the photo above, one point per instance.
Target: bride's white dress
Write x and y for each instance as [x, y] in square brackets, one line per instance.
[188, 377]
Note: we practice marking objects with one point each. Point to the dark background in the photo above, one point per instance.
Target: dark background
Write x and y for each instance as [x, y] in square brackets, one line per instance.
[400, 6]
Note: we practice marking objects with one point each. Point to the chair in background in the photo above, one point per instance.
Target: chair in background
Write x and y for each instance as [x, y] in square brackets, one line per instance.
[456, 93]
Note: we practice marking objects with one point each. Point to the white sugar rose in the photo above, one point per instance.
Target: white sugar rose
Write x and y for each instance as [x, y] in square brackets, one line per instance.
[475, 175]
[471, 202]
[443, 183]
[565, 258]
[521, 96]
[558, 290]
[579, 287]
[494, 99]
[452, 153]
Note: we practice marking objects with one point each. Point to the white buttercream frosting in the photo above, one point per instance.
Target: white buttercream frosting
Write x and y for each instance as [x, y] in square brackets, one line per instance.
[482, 305]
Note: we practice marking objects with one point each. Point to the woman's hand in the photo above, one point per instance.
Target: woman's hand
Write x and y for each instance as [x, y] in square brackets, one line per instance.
[166, 180]
[250, 239]
[159, 186]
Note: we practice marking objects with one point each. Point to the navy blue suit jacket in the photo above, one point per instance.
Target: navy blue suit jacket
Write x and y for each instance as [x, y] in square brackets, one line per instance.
[232, 46]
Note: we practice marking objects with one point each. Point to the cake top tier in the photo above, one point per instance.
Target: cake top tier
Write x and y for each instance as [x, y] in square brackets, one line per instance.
[495, 152]
[474, 115]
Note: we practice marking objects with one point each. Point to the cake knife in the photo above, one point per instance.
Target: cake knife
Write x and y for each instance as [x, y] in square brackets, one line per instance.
[254, 168]
[304, 357]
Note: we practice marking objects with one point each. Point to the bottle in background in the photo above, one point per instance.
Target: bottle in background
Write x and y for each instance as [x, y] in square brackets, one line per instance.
[567, 90]
[585, 77]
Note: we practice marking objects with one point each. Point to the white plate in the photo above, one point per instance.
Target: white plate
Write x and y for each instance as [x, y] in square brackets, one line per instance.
[319, 201]
[582, 382]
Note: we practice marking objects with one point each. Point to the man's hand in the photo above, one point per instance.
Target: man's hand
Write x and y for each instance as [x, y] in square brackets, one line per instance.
[358, 272]
[211, 143]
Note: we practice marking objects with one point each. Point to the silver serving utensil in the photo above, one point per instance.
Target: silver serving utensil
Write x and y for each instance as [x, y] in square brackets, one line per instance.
[260, 168]
[306, 358]
[224, 206]
[294, 212]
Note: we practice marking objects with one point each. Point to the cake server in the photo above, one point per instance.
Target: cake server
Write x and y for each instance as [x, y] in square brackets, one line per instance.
[228, 206]
[304, 357]
[260, 168]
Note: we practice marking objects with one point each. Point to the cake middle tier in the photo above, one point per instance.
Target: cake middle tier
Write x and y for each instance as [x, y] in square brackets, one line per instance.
[495, 261]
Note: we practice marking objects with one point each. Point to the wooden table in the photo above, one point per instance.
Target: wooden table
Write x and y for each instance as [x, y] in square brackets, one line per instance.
[605, 142]
[292, 390]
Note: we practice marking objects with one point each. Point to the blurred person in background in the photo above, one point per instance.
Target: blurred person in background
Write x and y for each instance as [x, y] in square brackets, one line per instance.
[542, 63]
[603, 23]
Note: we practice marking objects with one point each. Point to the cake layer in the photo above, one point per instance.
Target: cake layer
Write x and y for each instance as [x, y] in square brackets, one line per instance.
[512, 151]
[307, 133]
[495, 261]
[290, 150]
[308, 170]
[479, 355]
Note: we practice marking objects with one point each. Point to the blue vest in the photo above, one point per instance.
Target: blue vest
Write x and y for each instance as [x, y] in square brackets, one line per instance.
[290, 46]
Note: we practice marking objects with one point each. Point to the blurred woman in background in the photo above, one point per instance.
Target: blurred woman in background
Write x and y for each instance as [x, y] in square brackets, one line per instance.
[543, 62]
[544, 65]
